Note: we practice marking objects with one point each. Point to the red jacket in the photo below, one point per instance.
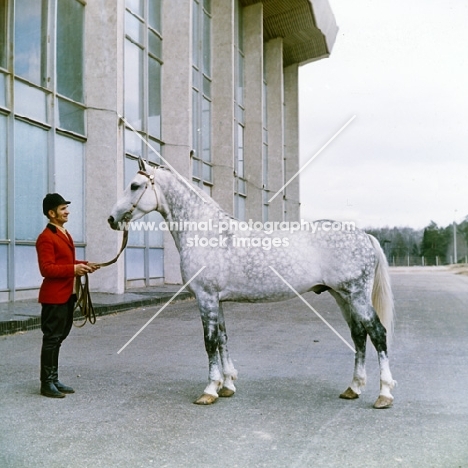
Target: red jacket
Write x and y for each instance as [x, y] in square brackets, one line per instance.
[56, 256]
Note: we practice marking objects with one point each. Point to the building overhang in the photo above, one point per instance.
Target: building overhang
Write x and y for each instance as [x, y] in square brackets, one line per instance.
[307, 27]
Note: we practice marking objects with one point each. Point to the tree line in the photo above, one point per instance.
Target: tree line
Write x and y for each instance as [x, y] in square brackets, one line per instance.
[432, 245]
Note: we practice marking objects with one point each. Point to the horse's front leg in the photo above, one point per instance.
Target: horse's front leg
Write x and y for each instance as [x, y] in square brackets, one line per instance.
[229, 372]
[209, 311]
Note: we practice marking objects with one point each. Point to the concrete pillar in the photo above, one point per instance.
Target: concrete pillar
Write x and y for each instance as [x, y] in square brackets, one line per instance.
[176, 107]
[275, 112]
[104, 164]
[291, 141]
[253, 50]
[222, 93]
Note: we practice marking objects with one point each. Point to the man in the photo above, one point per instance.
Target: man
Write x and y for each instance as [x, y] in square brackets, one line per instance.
[56, 256]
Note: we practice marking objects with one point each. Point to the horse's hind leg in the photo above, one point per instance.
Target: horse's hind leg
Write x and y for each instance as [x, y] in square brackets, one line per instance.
[359, 336]
[363, 321]
[378, 336]
[230, 373]
[209, 311]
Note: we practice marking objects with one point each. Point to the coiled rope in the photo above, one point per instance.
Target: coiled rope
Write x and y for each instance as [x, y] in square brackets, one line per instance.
[83, 296]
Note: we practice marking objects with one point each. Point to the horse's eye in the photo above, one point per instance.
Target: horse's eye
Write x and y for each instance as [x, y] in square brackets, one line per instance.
[134, 186]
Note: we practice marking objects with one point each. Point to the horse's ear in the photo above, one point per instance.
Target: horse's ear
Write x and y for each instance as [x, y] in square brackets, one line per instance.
[141, 164]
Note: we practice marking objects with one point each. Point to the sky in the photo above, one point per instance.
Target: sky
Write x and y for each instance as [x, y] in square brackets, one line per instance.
[402, 69]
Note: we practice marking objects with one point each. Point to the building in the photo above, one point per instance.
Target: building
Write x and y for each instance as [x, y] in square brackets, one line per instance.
[210, 84]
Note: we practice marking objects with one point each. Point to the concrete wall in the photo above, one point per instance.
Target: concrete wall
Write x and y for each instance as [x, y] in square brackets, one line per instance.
[253, 79]
[176, 106]
[291, 141]
[104, 148]
[223, 103]
[275, 112]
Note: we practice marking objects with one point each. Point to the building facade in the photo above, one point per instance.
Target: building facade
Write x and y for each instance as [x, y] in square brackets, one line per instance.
[212, 85]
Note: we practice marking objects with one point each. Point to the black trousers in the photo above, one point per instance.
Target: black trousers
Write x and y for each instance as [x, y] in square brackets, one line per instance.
[56, 323]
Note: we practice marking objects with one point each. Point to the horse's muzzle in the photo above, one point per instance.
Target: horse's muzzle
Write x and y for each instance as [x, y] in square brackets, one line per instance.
[112, 222]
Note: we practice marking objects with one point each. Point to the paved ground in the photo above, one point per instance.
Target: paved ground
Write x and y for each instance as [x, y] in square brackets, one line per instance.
[135, 409]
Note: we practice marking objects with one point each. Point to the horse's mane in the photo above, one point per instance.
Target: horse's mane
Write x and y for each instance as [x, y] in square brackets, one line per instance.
[199, 192]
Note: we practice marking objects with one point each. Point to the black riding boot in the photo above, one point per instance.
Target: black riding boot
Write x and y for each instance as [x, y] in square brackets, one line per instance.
[49, 375]
[59, 385]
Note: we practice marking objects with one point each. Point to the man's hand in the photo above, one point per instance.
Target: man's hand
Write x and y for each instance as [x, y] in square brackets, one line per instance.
[82, 268]
[93, 266]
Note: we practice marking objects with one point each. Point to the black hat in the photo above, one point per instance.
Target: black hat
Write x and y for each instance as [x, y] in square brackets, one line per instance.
[51, 201]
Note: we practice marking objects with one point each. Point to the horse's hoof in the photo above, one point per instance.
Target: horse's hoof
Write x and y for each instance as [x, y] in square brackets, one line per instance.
[383, 402]
[226, 392]
[349, 394]
[205, 399]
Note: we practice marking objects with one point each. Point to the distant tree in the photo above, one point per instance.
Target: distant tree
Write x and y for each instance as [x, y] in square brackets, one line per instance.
[434, 243]
[398, 242]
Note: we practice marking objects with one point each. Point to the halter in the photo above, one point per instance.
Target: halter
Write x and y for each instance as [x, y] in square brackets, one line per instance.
[150, 178]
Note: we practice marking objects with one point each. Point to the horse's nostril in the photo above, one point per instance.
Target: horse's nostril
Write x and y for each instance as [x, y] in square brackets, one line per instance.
[110, 219]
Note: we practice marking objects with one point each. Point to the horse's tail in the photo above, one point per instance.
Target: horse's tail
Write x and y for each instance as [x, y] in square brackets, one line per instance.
[382, 297]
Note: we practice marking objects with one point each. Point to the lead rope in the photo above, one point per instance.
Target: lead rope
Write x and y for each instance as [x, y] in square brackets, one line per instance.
[83, 296]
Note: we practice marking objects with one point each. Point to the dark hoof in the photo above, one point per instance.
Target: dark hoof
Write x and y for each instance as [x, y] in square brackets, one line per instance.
[383, 402]
[226, 392]
[349, 394]
[205, 399]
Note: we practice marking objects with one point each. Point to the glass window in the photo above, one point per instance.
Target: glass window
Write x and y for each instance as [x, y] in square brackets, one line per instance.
[240, 190]
[80, 253]
[133, 144]
[135, 5]
[3, 33]
[156, 263]
[30, 39]
[240, 208]
[3, 267]
[240, 151]
[71, 116]
[3, 102]
[155, 237]
[135, 263]
[69, 172]
[154, 44]
[134, 27]
[3, 177]
[135, 237]
[30, 102]
[143, 50]
[154, 98]
[27, 274]
[206, 130]
[206, 44]
[151, 155]
[30, 180]
[154, 14]
[70, 23]
[201, 92]
[134, 84]
[195, 34]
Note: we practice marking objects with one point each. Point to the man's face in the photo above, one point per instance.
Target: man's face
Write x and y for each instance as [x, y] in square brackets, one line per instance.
[59, 215]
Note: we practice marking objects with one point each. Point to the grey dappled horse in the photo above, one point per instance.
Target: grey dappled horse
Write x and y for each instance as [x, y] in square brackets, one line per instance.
[350, 265]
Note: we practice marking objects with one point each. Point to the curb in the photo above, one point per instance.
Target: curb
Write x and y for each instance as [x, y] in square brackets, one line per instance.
[32, 323]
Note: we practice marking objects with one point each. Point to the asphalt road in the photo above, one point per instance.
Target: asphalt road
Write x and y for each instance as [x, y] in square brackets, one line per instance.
[134, 409]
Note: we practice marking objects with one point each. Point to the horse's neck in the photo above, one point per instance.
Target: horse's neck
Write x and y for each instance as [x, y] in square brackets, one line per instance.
[181, 203]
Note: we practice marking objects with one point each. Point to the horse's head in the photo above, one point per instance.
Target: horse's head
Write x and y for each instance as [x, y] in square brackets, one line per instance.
[138, 199]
